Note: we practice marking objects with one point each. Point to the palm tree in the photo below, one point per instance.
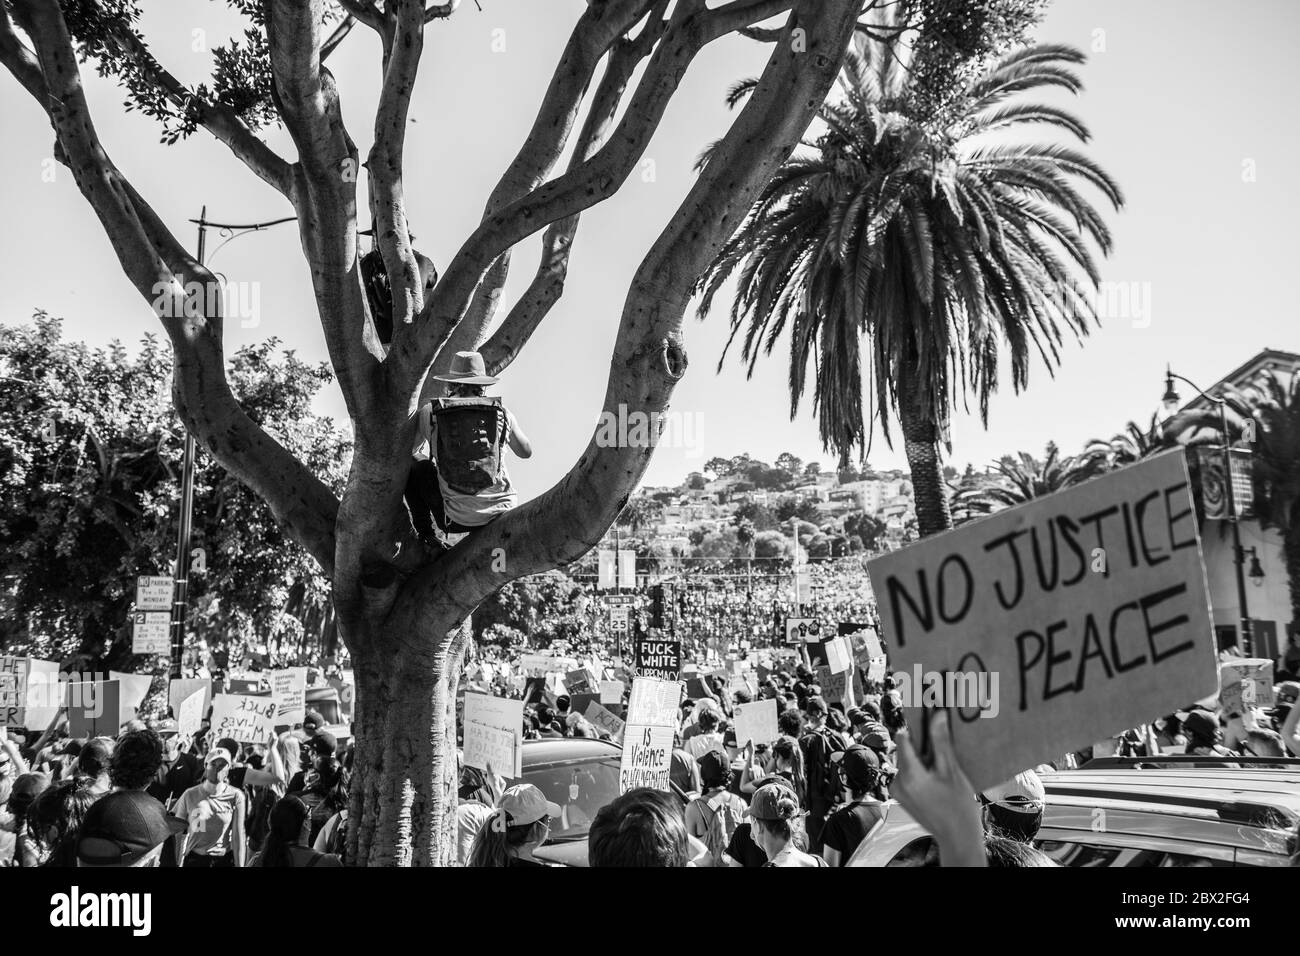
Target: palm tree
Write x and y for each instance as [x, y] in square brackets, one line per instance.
[1021, 478]
[1136, 442]
[931, 244]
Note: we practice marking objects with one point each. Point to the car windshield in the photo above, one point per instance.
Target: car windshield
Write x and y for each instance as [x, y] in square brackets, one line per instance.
[580, 789]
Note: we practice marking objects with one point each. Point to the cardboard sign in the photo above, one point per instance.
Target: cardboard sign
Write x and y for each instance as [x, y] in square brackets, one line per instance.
[44, 695]
[190, 717]
[648, 737]
[13, 691]
[866, 645]
[289, 690]
[605, 720]
[493, 728]
[1053, 625]
[801, 630]
[756, 722]
[611, 692]
[578, 703]
[696, 689]
[179, 690]
[581, 681]
[659, 658]
[1246, 682]
[834, 686]
[243, 718]
[135, 688]
[94, 708]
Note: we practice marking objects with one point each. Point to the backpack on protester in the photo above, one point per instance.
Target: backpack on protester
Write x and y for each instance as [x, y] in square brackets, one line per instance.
[471, 433]
[824, 785]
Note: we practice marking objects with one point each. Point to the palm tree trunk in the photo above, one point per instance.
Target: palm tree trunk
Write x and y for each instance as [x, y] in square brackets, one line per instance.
[1291, 555]
[921, 445]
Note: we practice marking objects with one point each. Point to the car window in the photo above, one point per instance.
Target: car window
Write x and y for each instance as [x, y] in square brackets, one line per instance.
[921, 852]
[1091, 854]
[579, 789]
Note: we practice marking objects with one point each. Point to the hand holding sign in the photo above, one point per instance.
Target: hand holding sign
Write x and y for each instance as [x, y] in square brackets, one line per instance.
[940, 798]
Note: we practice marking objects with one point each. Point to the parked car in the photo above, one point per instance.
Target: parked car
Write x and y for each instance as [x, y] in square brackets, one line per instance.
[580, 775]
[1140, 812]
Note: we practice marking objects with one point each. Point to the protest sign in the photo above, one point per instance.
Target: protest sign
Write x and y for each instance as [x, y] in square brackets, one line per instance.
[289, 690]
[179, 690]
[134, 689]
[799, 630]
[578, 702]
[1246, 682]
[243, 717]
[537, 665]
[246, 686]
[606, 720]
[756, 722]
[93, 708]
[658, 658]
[648, 736]
[493, 727]
[44, 696]
[581, 681]
[834, 686]
[1053, 625]
[190, 715]
[13, 691]
[611, 692]
[696, 689]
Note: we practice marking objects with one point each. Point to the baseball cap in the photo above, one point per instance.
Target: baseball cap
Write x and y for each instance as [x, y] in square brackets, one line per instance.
[1287, 693]
[523, 804]
[123, 826]
[323, 742]
[92, 760]
[166, 727]
[860, 766]
[775, 800]
[1023, 792]
[714, 767]
[815, 705]
[314, 718]
[219, 753]
[856, 716]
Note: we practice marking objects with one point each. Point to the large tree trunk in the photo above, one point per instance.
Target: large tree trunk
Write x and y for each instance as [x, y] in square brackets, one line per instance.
[402, 803]
[921, 445]
[1291, 555]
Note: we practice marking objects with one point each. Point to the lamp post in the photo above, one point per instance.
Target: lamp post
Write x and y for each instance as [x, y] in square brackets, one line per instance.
[1171, 402]
[181, 594]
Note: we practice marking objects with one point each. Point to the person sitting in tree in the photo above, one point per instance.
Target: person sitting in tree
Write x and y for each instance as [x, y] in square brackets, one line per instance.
[459, 480]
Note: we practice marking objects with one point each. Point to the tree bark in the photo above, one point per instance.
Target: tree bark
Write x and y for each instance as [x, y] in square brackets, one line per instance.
[921, 445]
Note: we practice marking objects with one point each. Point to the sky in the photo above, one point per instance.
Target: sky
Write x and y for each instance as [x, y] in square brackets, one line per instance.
[1191, 110]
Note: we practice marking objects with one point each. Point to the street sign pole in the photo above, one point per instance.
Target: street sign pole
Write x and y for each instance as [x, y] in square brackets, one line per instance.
[180, 605]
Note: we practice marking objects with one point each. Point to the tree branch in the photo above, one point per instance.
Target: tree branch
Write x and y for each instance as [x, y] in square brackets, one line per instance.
[593, 181]
[548, 283]
[366, 12]
[595, 32]
[648, 358]
[324, 195]
[167, 277]
[387, 195]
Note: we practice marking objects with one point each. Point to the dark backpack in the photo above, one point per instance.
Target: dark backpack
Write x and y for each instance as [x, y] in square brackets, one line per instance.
[375, 279]
[471, 432]
[824, 786]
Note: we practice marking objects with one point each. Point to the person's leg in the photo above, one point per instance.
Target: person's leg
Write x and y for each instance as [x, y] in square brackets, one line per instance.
[424, 497]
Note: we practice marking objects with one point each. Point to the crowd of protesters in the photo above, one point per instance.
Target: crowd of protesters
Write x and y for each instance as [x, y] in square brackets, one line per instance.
[809, 798]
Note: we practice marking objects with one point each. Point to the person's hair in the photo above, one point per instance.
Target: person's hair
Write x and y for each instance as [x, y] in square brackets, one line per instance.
[466, 390]
[788, 749]
[331, 783]
[94, 761]
[871, 707]
[643, 827]
[495, 849]
[288, 817]
[891, 714]
[63, 808]
[790, 722]
[708, 721]
[788, 810]
[836, 720]
[286, 757]
[136, 760]
[718, 776]
[1005, 852]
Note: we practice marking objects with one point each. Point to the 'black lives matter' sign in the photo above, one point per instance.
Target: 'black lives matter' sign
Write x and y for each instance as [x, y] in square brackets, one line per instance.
[1084, 613]
[658, 658]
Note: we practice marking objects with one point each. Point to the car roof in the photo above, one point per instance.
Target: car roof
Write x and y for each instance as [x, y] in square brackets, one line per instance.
[553, 750]
[1254, 797]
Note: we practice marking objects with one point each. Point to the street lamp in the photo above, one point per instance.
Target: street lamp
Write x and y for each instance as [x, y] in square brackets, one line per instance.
[1256, 573]
[1171, 402]
[181, 595]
